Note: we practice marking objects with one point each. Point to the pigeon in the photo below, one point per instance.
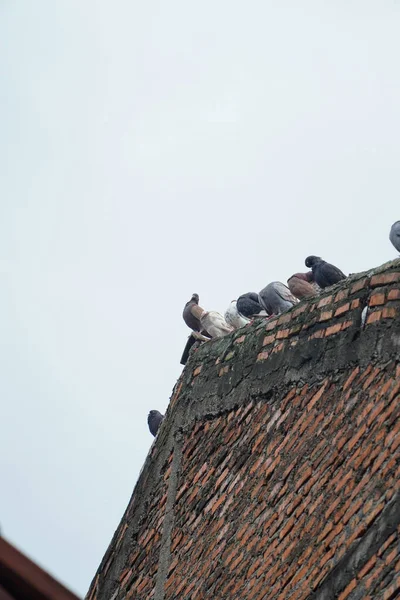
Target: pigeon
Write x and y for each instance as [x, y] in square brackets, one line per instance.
[154, 420]
[276, 298]
[204, 324]
[190, 313]
[233, 318]
[324, 274]
[249, 305]
[300, 286]
[215, 324]
[394, 235]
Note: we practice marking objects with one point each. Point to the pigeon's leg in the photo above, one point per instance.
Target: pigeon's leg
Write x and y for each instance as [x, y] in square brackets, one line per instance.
[200, 336]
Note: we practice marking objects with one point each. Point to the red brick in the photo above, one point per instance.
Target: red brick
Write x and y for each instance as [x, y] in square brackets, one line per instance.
[325, 316]
[351, 378]
[384, 278]
[288, 526]
[377, 299]
[240, 339]
[271, 324]
[347, 591]
[374, 316]
[392, 556]
[333, 534]
[367, 567]
[333, 329]
[197, 370]
[268, 339]
[389, 312]
[371, 378]
[341, 295]
[318, 334]
[342, 309]
[359, 285]
[324, 301]
[299, 311]
[372, 515]
[356, 437]
[394, 294]
[316, 397]
[282, 334]
[284, 318]
[328, 527]
[262, 356]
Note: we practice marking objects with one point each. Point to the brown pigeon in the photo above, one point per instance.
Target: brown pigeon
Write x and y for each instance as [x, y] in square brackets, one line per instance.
[192, 312]
[204, 324]
[300, 286]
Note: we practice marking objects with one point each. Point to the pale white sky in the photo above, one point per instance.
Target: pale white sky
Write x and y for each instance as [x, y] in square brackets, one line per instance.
[150, 150]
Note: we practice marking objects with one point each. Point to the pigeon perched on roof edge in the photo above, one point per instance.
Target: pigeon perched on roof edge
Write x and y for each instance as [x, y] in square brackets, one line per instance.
[276, 298]
[300, 286]
[233, 317]
[154, 420]
[324, 274]
[394, 235]
[248, 305]
[192, 320]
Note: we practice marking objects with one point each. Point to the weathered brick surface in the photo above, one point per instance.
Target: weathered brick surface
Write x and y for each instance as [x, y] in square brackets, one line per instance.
[274, 485]
[275, 474]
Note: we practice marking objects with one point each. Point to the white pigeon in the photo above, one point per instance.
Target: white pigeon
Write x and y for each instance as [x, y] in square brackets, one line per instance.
[215, 325]
[233, 318]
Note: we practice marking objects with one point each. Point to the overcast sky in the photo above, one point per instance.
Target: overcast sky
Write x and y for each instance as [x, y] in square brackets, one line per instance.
[150, 150]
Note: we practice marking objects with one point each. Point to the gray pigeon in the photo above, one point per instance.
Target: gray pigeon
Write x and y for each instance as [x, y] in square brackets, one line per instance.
[276, 298]
[248, 305]
[154, 420]
[394, 235]
[324, 274]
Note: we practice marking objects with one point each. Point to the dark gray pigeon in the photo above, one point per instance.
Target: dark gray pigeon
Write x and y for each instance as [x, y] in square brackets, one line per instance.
[394, 235]
[324, 274]
[248, 305]
[154, 420]
[276, 298]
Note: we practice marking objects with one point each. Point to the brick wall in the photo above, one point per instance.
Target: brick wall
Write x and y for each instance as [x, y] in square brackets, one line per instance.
[275, 474]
